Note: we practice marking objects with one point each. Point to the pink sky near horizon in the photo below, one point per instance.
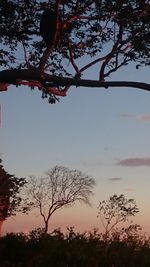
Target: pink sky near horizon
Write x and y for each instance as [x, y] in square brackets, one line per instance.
[82, 217]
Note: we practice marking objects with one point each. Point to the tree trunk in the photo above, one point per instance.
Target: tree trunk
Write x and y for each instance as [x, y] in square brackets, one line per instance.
[46, 227]
[4, 206]
[1, 224]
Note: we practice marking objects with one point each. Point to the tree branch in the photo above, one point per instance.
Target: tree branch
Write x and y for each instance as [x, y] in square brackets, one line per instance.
[8, 77]
[48, 50]
[111, 54]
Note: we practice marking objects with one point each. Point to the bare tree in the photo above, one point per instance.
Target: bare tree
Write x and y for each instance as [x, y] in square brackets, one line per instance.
[115, 210]
[60, 187]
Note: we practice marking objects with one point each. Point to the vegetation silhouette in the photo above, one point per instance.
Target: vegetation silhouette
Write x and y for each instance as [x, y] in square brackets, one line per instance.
[10, 197]
[108, 34]
[115, 211]
[73, 249]
[61, 187]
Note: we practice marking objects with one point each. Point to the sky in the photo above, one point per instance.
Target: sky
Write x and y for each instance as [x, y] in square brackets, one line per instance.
[104, 133]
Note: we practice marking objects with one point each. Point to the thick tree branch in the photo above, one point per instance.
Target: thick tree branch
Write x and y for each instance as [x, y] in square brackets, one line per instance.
[8, 77]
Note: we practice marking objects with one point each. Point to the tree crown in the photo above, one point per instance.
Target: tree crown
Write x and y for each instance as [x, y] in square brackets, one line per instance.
[10, 199]
[103, 34]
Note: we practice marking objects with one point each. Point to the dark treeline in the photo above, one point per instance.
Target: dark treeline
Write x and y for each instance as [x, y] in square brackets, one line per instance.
[124, 248]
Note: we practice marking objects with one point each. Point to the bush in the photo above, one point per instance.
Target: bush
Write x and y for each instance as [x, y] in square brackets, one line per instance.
[73, 249]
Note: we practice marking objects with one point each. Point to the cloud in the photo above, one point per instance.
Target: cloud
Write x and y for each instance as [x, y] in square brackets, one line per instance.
[143, 118]
[134, 162]
[127, 115]
[115, 179]
[129, 189]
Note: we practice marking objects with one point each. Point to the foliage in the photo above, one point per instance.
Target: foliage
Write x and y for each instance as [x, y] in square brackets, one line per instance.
[116, 210]
[102, 33]
[61, 187]
[73, 250]
[10, 198]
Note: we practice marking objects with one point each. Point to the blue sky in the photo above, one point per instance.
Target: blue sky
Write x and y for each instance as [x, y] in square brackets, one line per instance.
[104, 133]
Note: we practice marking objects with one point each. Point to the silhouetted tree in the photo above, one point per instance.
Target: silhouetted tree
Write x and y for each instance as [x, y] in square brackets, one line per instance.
[116, 210]
[10, 198]
[109, 34]
[60, 187]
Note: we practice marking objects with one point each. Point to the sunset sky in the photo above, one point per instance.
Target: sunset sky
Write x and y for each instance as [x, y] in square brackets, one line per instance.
[104, 133]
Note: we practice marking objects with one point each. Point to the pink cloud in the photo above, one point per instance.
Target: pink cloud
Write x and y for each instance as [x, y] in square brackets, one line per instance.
[144, 118]
[115, 179]
[134, 162]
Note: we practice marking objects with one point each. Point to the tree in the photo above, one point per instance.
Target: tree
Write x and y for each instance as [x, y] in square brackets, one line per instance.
[60, 187]
[116, 210]
[107, 35]
[10, 199]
